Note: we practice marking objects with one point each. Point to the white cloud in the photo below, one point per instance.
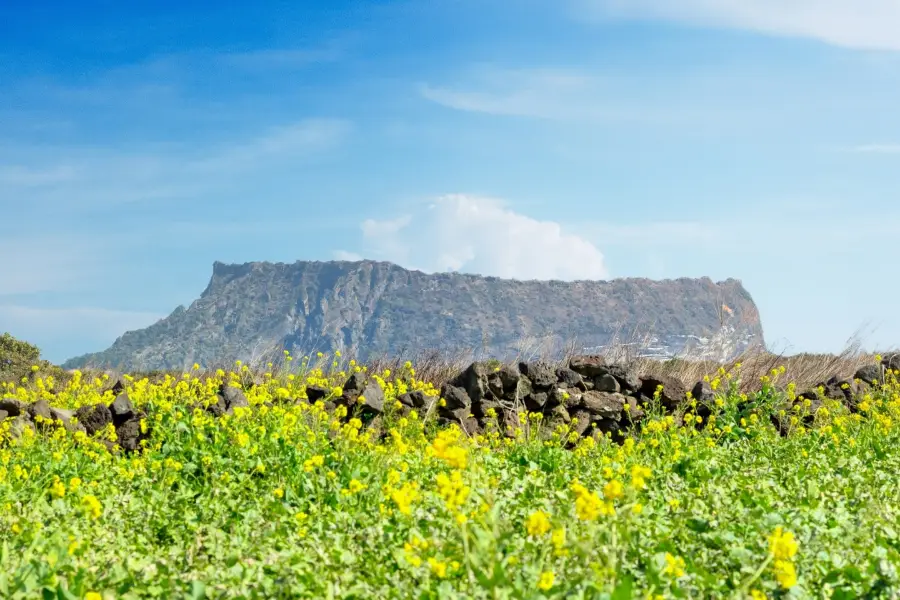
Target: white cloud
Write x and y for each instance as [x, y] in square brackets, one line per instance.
[287, 142]
[862, 24]
[482, 235]
[345, 255]
[553, 94]
[876, 149]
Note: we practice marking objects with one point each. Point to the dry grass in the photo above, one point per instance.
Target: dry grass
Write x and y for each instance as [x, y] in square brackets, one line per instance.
[438, 366]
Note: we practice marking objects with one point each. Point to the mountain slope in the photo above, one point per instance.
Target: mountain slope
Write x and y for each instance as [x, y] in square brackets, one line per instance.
[368, 307]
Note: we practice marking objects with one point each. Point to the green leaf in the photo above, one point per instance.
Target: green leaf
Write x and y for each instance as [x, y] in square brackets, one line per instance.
[63, 593]
[623, 590]
[198, 590]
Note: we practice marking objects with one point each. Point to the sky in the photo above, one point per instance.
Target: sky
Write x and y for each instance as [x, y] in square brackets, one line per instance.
[536, 139]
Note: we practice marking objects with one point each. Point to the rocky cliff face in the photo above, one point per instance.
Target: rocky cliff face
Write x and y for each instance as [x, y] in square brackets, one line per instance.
[366, 307]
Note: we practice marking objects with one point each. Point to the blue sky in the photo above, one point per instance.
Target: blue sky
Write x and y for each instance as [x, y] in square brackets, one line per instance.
[140, 142]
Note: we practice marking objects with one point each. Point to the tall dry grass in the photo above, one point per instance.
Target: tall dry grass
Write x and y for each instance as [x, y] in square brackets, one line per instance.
[438, 365]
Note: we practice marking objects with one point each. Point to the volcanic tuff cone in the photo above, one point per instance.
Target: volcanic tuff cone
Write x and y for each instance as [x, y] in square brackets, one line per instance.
[367, 308]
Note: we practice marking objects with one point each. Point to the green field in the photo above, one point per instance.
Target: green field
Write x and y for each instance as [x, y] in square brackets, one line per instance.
[290, 499]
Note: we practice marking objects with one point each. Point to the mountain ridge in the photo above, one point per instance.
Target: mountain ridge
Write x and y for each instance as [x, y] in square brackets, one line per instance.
[369, 307]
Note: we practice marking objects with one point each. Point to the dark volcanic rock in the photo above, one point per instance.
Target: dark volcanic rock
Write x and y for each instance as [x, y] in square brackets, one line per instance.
[541, 375]
[455, 397]
[94, 418]
[673, 392]
[478, 381]
[314, 393]
[588, 366]
[129, 435]
[567, 378]
[415, 399]
[627, 377]
[12, 406]
[41, 409]
[604, 405]
[870, 374]
[121, 408]
[353, 387]
[607, 383]
[216, 407]
[234, 397]
[19, 424]
[118, 387]
[67, 418]
[703, 393]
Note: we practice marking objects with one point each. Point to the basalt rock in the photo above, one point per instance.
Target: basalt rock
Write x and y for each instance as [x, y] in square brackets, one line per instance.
[12, 406]
[567, 378]
[672, 394]
[414, 400]
[541, 375]
[41, 409]
[588, 366]
[233, 398]
[314, 393]
[121, 409]
[94, 418]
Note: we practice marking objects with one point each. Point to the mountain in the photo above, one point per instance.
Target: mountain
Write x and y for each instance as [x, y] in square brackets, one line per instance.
[366, 307]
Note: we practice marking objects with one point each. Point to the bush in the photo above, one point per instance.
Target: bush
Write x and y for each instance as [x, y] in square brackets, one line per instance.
[17, 359]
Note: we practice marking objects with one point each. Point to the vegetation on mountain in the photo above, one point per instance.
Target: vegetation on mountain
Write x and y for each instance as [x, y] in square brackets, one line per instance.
[251, 312]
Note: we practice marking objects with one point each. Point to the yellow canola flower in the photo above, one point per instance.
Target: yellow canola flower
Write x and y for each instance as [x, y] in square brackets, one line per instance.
[537, 524]
[452, 489]
[439, 568]
[93, 506]
[785, 574]
[545, 582]
[588, 505]
[613, 490]
[782, 544]
[57, 489]
[674, 566]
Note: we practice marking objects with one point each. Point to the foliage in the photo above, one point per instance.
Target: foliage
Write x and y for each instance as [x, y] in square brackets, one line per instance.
[284, 499]
[18, 359]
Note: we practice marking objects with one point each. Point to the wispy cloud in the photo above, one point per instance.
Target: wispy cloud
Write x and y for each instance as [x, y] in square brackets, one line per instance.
[80, 178]
[594, 95]
[294, 141]
[552, 94]
[483, 235]
[863, 24]
[48, 263]
[21, 176]
[876, 149]
[282, 58]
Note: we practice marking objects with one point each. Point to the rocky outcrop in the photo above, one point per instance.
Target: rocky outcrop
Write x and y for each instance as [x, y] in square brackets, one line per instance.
[590, 395]
[88, 419]
[368, 308]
